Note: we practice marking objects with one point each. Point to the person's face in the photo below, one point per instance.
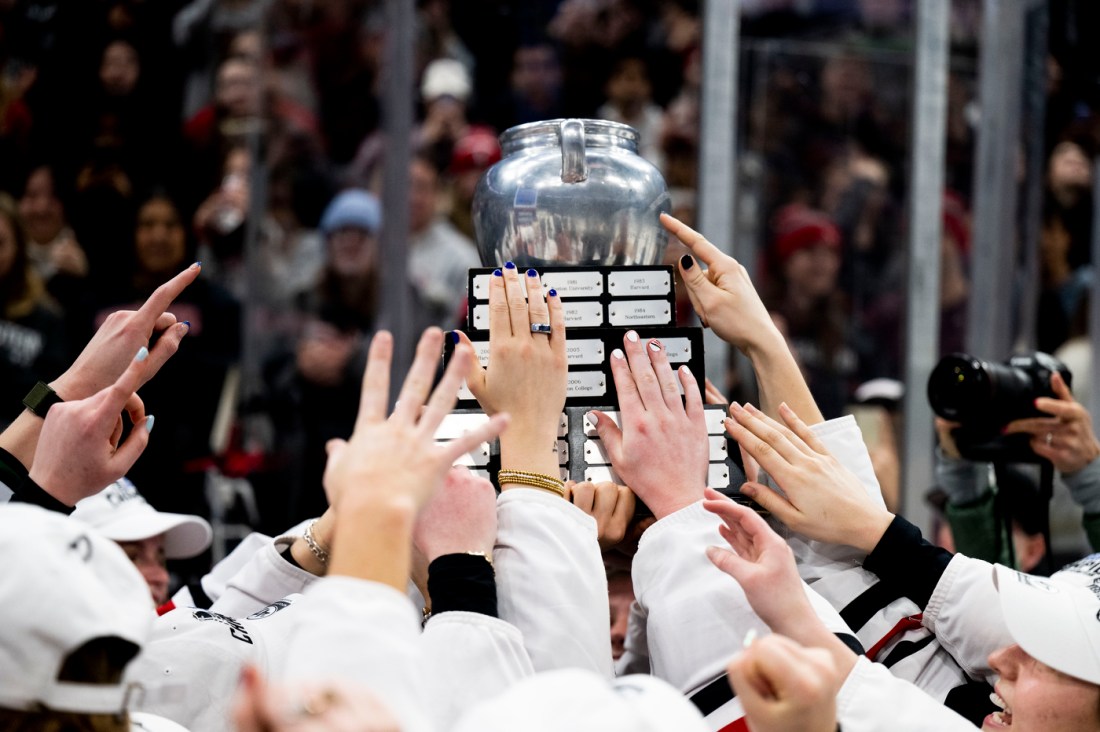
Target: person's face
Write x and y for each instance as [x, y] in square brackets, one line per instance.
[620, 595]
[812, 271]
[629, 85]
[7, 246]
[352, 251]
[238, 89]
[119, 69]
[1069, 167]
[160, 241]
[1039, 699]
[41, 209]
[148, 556]
[535, 72]
[423, 189]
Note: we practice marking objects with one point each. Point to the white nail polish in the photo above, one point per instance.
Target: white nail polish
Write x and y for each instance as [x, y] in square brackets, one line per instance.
[632, 336]
[750, 637]
[655, 346]
[617, 353]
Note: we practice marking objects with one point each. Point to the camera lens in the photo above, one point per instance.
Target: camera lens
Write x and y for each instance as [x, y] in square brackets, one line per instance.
[959, 387]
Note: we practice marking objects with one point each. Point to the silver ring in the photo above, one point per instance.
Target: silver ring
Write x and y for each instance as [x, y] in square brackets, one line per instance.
[1050, 438]
[543, 328]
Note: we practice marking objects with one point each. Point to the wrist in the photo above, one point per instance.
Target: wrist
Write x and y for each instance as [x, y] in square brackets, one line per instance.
[873, 530]
[766, 343]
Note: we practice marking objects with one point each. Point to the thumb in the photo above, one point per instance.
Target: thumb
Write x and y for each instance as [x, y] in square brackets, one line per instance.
[695, 279]
[475, 373]
[131, 448]
[726, 561]
[771, 502]
[1060, 388]
[610, 435]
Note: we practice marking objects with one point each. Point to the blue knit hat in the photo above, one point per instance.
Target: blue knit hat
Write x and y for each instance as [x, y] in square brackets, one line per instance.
[352, 208]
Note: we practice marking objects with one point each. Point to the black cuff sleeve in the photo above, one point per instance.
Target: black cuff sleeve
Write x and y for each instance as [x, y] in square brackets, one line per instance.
[903, 558]
[12, 472]
[30, 492]
[463, 582]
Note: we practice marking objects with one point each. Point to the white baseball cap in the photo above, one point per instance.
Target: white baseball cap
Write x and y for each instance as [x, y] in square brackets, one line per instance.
[64, 585]
[190, 668]
[636, 703]
[120, 513]
[1056, 620]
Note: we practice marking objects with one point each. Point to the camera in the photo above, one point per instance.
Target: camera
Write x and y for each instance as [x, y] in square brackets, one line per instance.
[983, 397]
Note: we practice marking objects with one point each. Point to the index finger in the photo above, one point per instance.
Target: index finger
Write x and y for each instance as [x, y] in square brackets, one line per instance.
[163, 296]
[693, 240]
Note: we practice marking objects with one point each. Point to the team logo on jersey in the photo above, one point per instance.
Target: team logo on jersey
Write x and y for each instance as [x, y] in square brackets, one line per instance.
[235, 628]
[270, 610]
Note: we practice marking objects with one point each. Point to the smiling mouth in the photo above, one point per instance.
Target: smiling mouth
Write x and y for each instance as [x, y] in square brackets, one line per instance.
[1003, 717]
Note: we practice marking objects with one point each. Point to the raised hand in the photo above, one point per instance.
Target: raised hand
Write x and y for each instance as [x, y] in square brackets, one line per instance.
[611, 505]
[661, 451]
[527, 371]
[460, 518]
[78, 449]
[1066, 437]
[822, 499]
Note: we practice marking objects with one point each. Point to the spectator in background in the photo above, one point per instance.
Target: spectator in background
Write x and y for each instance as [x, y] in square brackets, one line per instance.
[473, 154]
[32, 332]
[534, 90]
[630, 101]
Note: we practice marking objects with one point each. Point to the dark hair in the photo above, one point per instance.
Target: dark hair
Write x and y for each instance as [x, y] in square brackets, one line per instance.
[21, 286]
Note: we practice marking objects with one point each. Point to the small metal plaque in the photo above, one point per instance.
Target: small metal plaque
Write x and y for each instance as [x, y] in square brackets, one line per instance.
[481, 317]
[718, 449]
[480, 473]
[587, 351]
[718, 475]
[464, 391]
[481, 287]
[594, 453]
[678, 349]
[639, 312]
[586, 384]
[714, 419]
[456, 425]
[601, 474]
[481, 348]
[479, 456]
[577, 314]
[563, 425]
[563, 452]
[590, 427]
[574, 284]
[638, 282]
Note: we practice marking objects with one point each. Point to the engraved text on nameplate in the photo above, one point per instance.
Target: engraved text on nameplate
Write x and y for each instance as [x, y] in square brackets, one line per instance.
[585, 351]
[639, 312]
[638, 282]
[574, 284]
[586, 384]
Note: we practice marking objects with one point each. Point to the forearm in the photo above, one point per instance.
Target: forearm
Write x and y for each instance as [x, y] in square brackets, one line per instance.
[373, 540]
[780, 380]
[1084, 486]
[20, 439]
[530, 450]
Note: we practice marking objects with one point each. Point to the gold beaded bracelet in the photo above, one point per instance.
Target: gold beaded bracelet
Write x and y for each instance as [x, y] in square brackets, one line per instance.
[533, 480]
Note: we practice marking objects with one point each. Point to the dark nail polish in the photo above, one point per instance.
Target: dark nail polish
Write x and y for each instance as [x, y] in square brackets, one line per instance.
[188, 324]
[509, 265]
[553, 292]
[498, 273]
[532, 273]
[454, 337]
[686, 261]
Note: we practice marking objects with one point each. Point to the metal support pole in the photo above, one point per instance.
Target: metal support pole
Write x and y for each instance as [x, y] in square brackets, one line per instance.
[925, 231]
[397, 122]
[1094, 300]
[1035, 98]
[718, 146]
[993, 264]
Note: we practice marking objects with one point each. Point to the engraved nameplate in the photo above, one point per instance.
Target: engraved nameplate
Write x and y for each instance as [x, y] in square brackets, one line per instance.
[481, 287]
[588, 351]
[590, 426]
[601, 474]
[640, 312]
[574, 284]
[481, 348]
[586, 384]
[456, 425]
[563, 425]
[594, 453]
[714, 419]
[464, 391]
[563, 452]
[678, 349]
[577, 314]
[638, 282]
[476, 457]
[718, 475]
[718, 449]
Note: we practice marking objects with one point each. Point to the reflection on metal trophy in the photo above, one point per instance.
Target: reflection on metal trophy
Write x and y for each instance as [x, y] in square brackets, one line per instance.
[573, 199]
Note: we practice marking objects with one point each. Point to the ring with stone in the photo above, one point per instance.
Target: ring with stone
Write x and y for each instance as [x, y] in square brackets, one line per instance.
[543, 328]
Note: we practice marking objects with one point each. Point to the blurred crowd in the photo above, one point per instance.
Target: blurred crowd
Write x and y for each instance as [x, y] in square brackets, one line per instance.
[131, 133]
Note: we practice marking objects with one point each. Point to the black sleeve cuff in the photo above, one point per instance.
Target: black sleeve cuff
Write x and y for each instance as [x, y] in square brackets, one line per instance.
[30, 492]
[12, 472]
[463, 582]
[903, 558]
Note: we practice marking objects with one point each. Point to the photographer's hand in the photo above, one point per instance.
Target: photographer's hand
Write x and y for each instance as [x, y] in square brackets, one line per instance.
[726, 301]
[1066, 438]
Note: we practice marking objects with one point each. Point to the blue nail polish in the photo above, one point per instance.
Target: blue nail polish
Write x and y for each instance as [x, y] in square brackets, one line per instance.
[197, 264]
[509, 265]
[686, 261]
[142, 354]
[454, 337]
[149, 423]
[532, 273]
[498, 273]
[188, 324]
[553, 292]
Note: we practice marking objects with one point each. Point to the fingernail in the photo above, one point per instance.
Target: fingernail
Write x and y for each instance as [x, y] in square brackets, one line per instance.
[142, 354]
[751, 409]
[497, 273]
[655, 345]
[149, 423]
[532, 273]
[553, 292]
[196, 265]
[686, 261]
[509, 265]
[454, 337]
[748, 489]
[749, 637]
[592, 418]
[686, 371]
[735, 407]
[632, 336]
[188, 324]
[618, 353]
